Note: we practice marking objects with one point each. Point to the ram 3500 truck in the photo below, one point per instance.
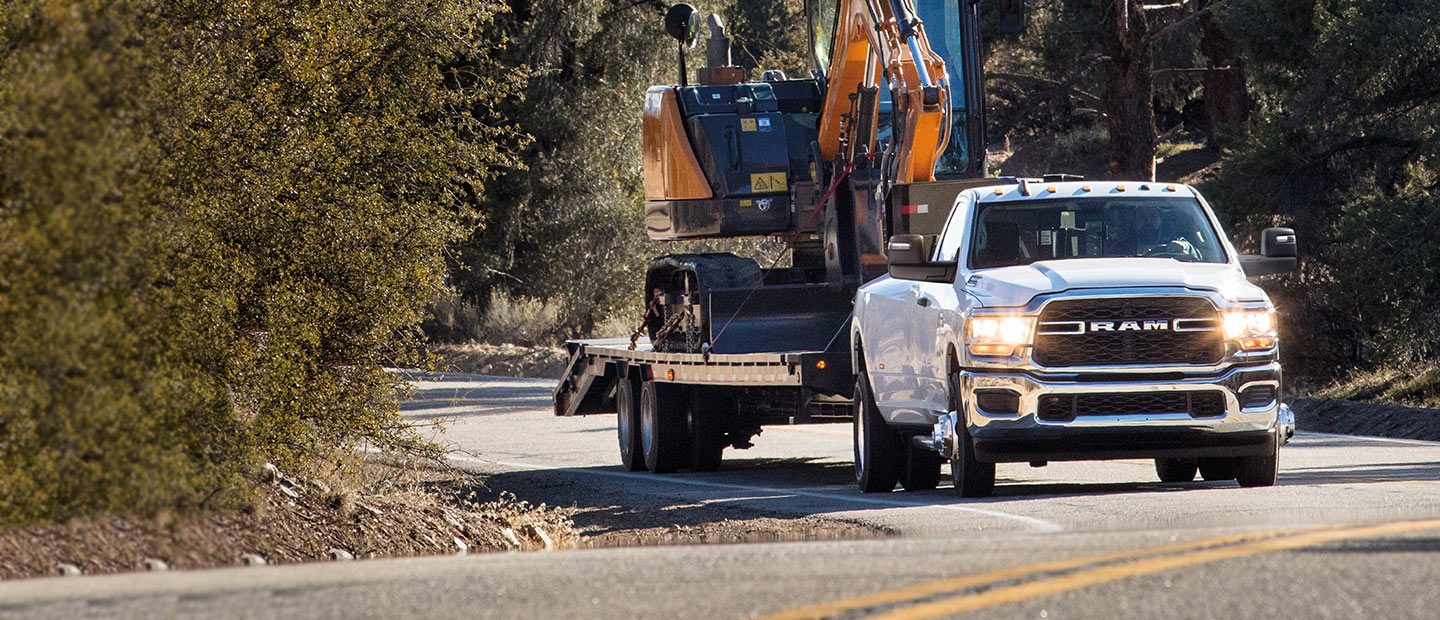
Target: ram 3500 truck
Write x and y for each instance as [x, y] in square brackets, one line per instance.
[1073, 320]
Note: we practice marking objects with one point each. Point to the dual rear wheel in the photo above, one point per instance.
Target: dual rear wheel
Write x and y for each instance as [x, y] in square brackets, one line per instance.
[664, 427]
[1249, 471]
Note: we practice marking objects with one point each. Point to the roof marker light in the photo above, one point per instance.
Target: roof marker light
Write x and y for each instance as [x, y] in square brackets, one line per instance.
[1085, 187]
[1170, 188]
[1120, 187]
[1052, 189]
[999, 191]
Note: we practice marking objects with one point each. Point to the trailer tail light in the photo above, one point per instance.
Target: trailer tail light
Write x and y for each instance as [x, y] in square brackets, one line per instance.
[670, 375]
[820, 364]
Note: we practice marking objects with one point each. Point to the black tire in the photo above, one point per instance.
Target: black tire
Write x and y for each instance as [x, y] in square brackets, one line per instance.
[879, 453]
[706, 425]
[1176, 470]
[627, 424]
[662, 427]
[971, 477]
[1217, 469]
[922, 469]
[1258, 471]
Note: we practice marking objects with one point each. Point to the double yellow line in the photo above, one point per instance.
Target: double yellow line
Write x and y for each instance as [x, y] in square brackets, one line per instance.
[917, 601]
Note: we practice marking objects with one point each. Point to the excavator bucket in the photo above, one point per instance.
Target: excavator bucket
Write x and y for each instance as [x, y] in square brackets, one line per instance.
[780, 318]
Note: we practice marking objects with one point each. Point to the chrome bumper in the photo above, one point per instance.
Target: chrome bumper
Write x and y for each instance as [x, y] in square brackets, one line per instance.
[1024, 436]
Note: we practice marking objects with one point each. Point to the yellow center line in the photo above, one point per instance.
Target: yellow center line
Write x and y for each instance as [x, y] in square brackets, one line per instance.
[1085, 578]
[922, 590]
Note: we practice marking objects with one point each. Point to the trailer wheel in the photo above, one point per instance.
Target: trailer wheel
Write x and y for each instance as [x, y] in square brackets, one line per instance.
[879, 453]
[922, 469]
[706, 425]
[1175, 470]
[662, 426]
[627, 424]
[971, 477]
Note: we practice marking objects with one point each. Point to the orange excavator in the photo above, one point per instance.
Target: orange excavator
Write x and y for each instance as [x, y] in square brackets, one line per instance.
[878, 140]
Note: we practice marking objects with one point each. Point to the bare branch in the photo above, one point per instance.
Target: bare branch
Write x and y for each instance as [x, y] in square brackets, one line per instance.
[1044, 82]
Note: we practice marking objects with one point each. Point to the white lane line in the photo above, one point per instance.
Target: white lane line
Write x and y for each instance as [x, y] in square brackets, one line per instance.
[1040, 525]
[1412, 442]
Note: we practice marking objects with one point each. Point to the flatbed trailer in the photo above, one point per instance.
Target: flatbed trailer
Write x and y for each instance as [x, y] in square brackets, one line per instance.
[596, 367]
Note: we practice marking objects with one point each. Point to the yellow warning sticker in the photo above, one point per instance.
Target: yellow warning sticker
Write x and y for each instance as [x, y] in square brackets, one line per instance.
[768, 182]
[747, 124]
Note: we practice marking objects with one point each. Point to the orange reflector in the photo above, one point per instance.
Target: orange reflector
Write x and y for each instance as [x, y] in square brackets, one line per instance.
[669, 375]
[992, 350]
[1120, 187]
[882, 367]
[820, 364]
[1253, 344]
[1052, 189]
[1085, 187]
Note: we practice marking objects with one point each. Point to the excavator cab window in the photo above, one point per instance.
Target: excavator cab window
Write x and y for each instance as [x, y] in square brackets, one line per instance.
[942, 24]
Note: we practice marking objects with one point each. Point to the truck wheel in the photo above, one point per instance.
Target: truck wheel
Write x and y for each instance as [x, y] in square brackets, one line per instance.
[1217, 469]
[971, 477]
[879, 453]
[1176, 470]
[1257, 471]
[662, 426]
[922, 469]
[627, 424]
[705, 424]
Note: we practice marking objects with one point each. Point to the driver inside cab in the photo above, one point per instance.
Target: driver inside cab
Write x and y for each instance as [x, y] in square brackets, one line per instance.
[1150, 235]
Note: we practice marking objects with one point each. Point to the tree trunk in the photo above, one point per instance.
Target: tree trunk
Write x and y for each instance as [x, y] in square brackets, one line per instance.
[1227, 103]
[1129, 89]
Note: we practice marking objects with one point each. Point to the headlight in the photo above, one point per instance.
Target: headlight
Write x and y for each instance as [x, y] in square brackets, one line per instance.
[997, 336]
[1253, 329]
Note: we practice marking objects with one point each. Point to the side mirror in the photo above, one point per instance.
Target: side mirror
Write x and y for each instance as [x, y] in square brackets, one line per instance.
[909, 259]
[682, 24]
[1278, 254]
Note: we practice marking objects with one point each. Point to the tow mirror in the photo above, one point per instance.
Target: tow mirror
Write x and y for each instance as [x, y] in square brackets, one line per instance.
[1278, 254]
[909, 259]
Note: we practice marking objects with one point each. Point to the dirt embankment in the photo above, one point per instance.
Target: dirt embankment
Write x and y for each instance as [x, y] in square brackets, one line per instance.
[1377, 419]
[395, 513]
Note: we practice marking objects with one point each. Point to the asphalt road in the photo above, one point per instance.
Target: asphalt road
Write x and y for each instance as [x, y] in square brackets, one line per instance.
[1352, 530]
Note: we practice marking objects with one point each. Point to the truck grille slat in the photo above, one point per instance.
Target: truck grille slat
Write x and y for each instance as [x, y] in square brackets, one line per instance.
[1201, 343]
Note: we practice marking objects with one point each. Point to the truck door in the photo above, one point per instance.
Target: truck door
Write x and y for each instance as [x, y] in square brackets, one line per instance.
[938, 318]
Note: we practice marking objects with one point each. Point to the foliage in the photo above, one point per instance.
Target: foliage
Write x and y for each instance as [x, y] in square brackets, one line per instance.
[217, 223]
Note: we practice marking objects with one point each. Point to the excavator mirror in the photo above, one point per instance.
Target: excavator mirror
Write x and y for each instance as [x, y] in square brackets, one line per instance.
[682, 24]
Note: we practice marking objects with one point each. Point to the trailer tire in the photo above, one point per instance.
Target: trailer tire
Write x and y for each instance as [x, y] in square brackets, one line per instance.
[879, 453]
[706, 428]
[1175, 470]
[662, 426]
[627, 424]
[922, 469]
[971, 477]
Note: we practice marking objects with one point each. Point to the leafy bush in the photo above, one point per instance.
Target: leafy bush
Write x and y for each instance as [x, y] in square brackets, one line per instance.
[218, 223]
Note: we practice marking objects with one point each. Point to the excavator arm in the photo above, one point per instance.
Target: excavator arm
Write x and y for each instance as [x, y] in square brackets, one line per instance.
[885, 38]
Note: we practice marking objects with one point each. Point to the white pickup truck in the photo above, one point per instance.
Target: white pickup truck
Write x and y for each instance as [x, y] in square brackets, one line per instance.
[1075, 320]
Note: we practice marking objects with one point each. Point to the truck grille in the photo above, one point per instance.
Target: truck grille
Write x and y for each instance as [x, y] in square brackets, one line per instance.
[1066, 407]
[1201, 344]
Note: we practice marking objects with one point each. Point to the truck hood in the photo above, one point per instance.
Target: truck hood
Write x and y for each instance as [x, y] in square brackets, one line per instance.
[1016, 286]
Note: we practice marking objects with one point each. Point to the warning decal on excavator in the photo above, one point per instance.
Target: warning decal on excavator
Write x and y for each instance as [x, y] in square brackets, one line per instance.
[747, 124]
[768, 182]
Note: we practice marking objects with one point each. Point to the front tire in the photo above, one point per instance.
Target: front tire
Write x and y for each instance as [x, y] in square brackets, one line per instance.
[627, 424]
[662, 426]
[879, 453]
[1258, 471]
[971, 477]
[922, 469]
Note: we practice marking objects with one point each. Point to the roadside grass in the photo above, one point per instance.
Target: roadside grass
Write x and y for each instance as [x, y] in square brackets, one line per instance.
[1417, 386]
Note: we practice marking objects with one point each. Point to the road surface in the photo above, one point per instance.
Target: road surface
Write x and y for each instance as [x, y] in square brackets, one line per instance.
[1352, 530]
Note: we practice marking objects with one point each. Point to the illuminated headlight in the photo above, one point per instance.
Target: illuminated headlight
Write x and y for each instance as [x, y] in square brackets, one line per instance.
[1253, 330]
[997, 336]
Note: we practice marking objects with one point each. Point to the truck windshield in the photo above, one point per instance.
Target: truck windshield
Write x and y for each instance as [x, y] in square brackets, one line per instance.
[1023, 232]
